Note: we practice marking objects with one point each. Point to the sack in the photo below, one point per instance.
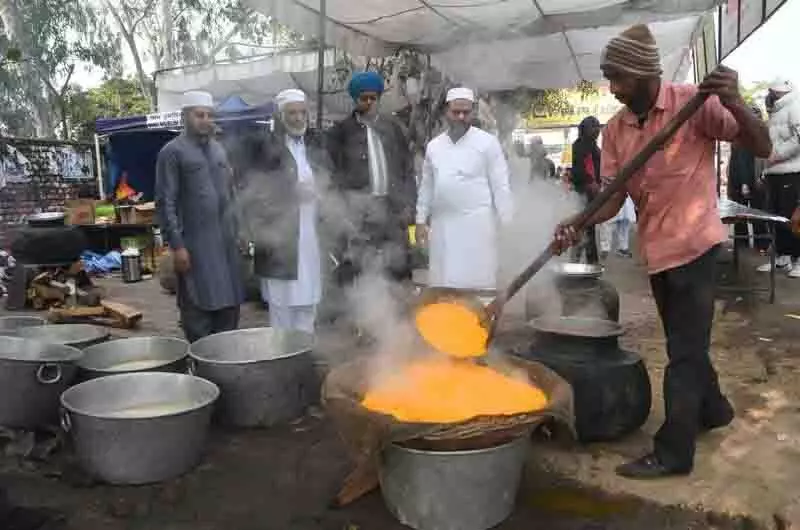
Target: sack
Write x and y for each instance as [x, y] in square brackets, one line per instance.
[366, 433]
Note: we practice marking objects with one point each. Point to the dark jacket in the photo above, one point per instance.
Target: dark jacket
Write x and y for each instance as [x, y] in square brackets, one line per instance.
[582, 150]
[743, 169]
[347, 145]
[269, 198]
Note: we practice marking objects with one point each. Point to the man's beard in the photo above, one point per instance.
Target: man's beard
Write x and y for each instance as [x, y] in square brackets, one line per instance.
[641, 101]
[296, 131]
[371, 114]
[457, 129]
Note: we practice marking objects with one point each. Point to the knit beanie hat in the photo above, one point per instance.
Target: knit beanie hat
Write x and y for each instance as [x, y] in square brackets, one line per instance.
[633, 52]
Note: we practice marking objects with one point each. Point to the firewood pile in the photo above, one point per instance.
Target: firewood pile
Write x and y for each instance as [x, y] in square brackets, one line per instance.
[69, 295]
[61, 287]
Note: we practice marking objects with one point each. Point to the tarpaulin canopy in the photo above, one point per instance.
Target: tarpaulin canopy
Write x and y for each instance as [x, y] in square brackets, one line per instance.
[500, 44]
[255, 80]
[172, 120]
[134, 142]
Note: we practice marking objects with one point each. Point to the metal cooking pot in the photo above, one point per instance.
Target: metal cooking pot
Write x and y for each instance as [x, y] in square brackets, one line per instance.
[138, 354]
[33, 375]
[139, 428]
[266, 375]
[9, 326]
[452, 490]
[46, 219]
[76, 335]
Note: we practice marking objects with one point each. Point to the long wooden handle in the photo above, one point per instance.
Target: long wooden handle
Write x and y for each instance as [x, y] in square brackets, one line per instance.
[616, 185]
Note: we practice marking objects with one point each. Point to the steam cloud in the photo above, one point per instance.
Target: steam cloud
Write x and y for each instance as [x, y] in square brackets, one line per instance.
[375, 305]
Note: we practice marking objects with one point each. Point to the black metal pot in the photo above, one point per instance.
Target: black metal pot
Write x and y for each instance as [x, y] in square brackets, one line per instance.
[611, 386]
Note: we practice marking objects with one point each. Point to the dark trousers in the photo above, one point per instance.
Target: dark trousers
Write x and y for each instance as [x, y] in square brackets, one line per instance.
[784, 191]
[692, 397]
[198, 323]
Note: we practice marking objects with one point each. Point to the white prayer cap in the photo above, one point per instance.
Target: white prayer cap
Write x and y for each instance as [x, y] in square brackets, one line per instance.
[460, 93]
[291, 95]
[197, 98]
[781, 86]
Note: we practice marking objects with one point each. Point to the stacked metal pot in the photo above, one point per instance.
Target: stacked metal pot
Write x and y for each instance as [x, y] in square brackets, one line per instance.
[135, 415]
[266, 376]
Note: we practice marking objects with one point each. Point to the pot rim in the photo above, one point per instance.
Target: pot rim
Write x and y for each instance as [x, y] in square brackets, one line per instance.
[83, 362]
[128, 375]
[232, 362]
[464, 452]
[97, 333]
[544, 325]
[69, 354]
[578, 270]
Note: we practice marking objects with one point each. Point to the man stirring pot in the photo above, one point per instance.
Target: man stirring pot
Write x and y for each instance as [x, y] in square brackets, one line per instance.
[679, 227]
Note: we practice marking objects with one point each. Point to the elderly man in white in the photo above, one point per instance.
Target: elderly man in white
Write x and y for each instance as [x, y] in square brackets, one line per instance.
[288, 258]
[464, 198]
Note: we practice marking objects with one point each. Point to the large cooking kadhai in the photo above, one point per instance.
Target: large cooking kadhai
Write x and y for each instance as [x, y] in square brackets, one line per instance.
[463, 328]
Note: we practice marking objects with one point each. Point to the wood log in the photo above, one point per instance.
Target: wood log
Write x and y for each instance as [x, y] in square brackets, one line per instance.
[62, 314]
[128, 316]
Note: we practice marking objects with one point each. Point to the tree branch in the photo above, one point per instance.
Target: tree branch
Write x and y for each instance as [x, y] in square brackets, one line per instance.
[145, 13]
[212, 54]
[65, 86]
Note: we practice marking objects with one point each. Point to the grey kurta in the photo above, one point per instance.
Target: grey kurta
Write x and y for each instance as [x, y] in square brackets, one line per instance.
[194, 199]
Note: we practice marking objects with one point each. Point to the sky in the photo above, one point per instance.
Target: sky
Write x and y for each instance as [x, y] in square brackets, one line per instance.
[770, 52]
[767, 54]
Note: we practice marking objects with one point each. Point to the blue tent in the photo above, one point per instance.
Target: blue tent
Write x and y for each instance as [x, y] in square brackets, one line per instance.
[133, 143]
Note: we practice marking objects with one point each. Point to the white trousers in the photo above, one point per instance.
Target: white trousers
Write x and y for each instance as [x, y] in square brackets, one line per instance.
[296, 317]
[622, 232]
[604, 237]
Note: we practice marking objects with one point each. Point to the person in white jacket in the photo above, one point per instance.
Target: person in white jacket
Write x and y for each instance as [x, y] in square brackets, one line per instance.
[464, 197]
[783, 171]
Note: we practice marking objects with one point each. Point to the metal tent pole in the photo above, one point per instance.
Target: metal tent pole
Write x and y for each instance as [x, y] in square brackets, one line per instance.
[101, 188]
[321, 61]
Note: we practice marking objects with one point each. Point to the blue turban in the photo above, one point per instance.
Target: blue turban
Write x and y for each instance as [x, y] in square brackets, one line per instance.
[365, 82]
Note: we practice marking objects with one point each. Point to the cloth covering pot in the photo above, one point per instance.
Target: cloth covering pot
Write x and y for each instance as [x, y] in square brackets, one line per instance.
[366, 433]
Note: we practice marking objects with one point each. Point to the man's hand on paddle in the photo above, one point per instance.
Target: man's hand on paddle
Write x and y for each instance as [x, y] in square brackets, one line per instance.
[724, 83]
[565, 237]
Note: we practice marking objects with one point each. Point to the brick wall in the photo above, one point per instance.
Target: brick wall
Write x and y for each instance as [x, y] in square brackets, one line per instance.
[47, 190]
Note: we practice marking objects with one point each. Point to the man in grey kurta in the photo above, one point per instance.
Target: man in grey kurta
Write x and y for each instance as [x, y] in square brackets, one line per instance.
[194, 199]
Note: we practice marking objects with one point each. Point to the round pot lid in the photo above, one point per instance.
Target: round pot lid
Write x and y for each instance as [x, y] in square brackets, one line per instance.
[577, 327]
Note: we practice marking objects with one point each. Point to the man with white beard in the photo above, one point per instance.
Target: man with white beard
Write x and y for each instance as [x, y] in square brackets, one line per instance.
[281, 206]
[463, 196]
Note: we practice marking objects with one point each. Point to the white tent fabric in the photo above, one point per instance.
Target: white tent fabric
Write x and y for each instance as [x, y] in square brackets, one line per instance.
[500, 44]
[256, 80]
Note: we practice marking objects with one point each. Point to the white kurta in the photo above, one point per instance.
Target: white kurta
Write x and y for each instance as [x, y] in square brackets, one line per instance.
[463, 196]
[627, 212]
[306, 290]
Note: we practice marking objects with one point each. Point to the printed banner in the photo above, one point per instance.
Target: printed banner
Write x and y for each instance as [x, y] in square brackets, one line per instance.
[160, 120]
[602, 105]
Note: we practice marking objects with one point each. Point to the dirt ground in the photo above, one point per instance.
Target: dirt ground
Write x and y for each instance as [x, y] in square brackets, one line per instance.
[284, 478]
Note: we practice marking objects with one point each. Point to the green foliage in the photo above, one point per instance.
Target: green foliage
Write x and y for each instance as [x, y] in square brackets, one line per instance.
[751, 94]
[52, 38]
[114, 98]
